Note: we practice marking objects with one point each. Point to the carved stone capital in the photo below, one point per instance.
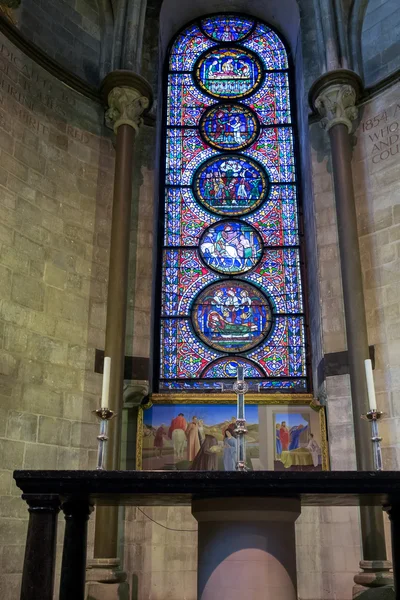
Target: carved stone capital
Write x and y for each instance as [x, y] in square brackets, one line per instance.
[336, 105]
[128, 97]
[126, 107]
[135, 392]
[334, 96]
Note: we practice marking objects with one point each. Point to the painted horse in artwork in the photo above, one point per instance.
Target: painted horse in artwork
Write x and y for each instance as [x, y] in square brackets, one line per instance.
[179, 442]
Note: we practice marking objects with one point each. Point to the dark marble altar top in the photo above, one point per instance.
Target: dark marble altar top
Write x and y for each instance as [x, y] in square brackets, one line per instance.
[160, 488]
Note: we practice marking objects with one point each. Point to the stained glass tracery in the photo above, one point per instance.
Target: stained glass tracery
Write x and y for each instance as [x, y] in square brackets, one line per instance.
[231, 271]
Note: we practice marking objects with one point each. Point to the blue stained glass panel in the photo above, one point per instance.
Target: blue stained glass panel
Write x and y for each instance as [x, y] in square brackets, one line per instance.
[187, 48]
[274, 150]
[227, 28]
[228, 72]
[229, 127]
[230, 185]
[231, 247]
[227, 367]
[266, 44]
[231, 316]
[231, 274]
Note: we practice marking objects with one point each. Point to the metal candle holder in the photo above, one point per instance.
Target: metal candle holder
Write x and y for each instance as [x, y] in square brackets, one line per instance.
[104, 415]
[373, 416]
[240, 387]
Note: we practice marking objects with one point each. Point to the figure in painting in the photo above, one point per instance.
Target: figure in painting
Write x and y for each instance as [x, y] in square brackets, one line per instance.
[314, 449]
[278, 440]
[159, 440]
[231, 427]
[284, 436]
[207, 458]
[177, 433]
[201, 431]
[294, 435]
[229, 452]
[193, 440]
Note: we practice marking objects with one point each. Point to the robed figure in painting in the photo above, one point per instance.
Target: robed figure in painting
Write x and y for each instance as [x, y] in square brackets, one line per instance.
[294, 434]
[207, 458]
[229, 452]
[193, 440]
[159, 440]
[278, 440]
[284, 436]
[314, 449]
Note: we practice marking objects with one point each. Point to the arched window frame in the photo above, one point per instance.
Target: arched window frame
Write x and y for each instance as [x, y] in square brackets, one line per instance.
[297, 185]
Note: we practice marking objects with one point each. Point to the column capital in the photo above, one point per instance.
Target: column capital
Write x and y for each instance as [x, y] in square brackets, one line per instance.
[334, 96]
[128, 97]
[135, 391]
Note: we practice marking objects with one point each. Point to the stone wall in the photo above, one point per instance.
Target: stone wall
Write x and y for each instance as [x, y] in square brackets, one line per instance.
[67, 30]
[376, 178]
[381, 40]
[56, 175]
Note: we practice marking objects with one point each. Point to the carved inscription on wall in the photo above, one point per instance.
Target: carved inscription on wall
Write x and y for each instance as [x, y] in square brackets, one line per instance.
[43, 103]
[382, 132]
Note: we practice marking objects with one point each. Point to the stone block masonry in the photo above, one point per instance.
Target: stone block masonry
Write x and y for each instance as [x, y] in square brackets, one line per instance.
[67, 31]
[56, 179]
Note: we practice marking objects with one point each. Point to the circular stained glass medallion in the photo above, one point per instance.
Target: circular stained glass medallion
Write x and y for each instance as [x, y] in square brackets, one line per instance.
[224, 72]
[231, 247]
[227, 367]
[231, 316]
[227, 28]
[229, 127]
[230, 185]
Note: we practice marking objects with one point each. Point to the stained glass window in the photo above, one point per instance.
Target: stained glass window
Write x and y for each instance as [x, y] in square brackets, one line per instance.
[231, 287]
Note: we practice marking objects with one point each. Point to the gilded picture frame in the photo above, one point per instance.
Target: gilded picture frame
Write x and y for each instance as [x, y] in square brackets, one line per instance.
[276, 402]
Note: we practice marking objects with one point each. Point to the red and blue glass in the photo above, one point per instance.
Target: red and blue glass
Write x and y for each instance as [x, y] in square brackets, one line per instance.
[231, 290]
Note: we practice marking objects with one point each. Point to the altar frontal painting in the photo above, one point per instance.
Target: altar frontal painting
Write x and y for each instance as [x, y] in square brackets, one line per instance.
[202, 437]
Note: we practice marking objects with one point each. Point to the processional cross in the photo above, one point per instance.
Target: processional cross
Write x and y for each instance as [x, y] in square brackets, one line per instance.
[240, 387]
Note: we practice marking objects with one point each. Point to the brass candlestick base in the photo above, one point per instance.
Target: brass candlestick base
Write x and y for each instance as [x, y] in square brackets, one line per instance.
[104, 415]
[373, 416]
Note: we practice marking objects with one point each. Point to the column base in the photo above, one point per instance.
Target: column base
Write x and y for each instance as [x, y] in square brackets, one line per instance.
[374, 574]
[105, 580]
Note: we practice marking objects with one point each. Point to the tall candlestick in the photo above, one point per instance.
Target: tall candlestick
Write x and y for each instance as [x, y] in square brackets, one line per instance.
[105, 393]
[370, 384]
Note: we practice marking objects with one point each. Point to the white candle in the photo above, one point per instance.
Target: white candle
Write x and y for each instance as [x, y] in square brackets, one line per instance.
[370, 384]
[105, 393]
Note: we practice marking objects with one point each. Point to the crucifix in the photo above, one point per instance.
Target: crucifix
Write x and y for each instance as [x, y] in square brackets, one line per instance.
[240, 387]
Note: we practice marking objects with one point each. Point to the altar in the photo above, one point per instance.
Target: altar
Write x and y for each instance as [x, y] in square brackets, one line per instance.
[250, 493]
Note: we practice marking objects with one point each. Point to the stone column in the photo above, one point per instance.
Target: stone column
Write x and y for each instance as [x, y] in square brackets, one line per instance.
[128, 96]
[246, 548]
[40, 549]
[334, 96]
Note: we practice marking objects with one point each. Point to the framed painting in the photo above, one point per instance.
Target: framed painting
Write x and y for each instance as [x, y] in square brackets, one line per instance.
[194, 436]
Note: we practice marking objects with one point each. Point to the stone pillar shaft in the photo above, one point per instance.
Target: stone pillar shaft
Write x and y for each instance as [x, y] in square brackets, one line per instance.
[73, 567]
[127, 96]
[118, 284]
[334, 96]
[40, 550]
